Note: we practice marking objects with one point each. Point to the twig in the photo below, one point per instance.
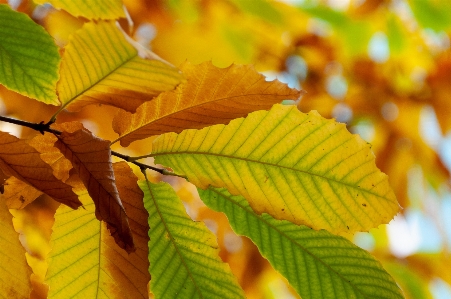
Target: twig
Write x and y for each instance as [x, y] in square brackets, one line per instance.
[41, 127]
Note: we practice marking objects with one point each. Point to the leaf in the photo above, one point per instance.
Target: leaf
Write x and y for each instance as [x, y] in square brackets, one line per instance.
[210, 96]
[19, 194]
[293, 166]
[184, 261]
[91, 158]
[317, 264]
[14, 270]
[100, 67]
[93, 10]
[23, 161]
[85, 262]
[29, 58]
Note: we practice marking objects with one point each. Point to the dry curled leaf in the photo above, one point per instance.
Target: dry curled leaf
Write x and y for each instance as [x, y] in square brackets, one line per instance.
[91, 158]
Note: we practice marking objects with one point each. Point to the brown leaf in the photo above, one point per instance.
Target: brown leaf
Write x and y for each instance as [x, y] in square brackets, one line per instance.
[136, 264]
[21, 160]
[210, 96]
[3, 178]
[91, 158]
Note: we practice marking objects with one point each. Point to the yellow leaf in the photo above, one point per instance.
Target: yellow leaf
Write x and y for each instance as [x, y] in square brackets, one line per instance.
[85, 261]
[210, 96]
[99, 66]
[294, 166]
[19, 194]
[21, 160]
[14, 270]
[99, 9]
[91, 158]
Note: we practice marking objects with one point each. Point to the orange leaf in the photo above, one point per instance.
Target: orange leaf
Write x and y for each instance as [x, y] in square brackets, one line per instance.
[210, 96]
[91, 158]
[19, 194]
[133, 203]
[21, 160]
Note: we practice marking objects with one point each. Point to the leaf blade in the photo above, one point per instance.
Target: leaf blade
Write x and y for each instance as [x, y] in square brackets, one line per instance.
[294, 166]
[184, 261]
[103, 9]
[22, 161]
[14, 266]
[91, 158]
[86, 261]
[210, 96]
[100, 67]
[316, 263]
[29, 57]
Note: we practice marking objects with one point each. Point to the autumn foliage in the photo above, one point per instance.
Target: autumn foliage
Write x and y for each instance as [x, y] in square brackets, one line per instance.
[173, 168]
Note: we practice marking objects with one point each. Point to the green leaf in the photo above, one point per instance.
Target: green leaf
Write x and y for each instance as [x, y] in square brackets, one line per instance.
[14, 270]
[295, 166]
[183, 254]
[316, 263]
[99, 9]
[29, 58]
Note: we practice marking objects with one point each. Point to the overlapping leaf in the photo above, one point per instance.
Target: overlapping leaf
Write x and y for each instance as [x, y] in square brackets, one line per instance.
[91, 158]
[29, 58]
[183, 254]
[210, 96]
[19, 194]
[294, 166]
[14, 270]
[316, 263]
[85, 262]
[24, 162]
[100, 67]
[100, 9]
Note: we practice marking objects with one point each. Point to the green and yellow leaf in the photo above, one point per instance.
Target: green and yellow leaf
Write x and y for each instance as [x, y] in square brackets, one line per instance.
[210, 96]
[294, 166]
[29, 58]
[85, 261]
[99, 66]
[183, 254]
[93, 10]
[19, 159]
[317, 264]
[14, 270]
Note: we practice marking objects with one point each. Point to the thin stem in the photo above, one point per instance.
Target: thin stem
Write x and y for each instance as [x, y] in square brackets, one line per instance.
[41, 127]
[140, 157]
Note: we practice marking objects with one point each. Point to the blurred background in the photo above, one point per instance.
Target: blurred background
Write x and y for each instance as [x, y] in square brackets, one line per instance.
[383, 67]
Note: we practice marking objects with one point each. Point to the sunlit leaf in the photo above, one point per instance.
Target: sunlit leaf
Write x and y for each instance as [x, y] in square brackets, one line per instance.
[19, 194]
[99, 66]
[91, 158]
[85, 261]
[100, 9]
[210, 96]
[29, 58]
[183, 254]
[294, 166]
[316, 263]
[14, 270]
[21, 160]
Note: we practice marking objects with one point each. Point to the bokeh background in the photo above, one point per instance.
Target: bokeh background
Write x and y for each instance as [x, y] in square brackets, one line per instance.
[383, 67]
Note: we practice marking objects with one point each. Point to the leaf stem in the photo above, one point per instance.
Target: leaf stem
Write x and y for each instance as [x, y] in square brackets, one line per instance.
[41, 127]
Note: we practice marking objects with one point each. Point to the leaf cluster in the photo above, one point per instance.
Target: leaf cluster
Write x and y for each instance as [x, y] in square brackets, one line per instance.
[291, 182]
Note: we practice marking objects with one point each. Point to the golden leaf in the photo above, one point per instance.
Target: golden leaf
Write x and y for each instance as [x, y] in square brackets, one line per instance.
[210, 96]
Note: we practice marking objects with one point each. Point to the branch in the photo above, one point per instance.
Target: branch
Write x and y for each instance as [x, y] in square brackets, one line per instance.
[41, 127]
